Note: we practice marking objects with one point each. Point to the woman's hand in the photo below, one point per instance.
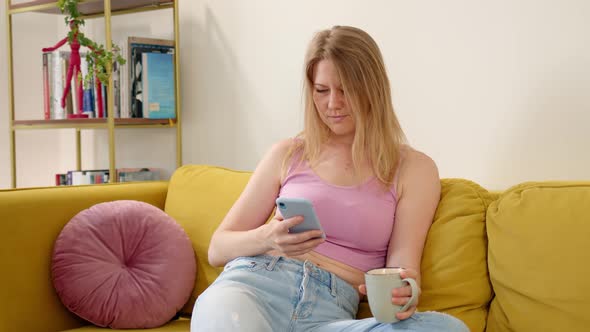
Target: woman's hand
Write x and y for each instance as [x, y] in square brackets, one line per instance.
[276, 236]
[401, 295]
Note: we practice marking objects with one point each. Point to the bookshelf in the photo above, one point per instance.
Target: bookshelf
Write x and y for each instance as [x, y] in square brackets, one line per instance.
[93, 9]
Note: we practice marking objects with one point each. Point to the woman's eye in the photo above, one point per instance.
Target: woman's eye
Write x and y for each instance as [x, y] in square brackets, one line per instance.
[321, 90]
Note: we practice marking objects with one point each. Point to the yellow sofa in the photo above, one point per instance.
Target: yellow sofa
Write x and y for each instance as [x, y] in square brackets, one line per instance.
[510, 261]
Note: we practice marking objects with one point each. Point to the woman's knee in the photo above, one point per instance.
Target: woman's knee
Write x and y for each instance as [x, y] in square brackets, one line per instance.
[437, 321]
[228, 308]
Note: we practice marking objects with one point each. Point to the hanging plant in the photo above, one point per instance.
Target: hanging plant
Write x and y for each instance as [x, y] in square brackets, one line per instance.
[98, 58]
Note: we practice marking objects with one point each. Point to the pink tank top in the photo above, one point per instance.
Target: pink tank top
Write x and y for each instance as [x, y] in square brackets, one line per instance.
[358, 220]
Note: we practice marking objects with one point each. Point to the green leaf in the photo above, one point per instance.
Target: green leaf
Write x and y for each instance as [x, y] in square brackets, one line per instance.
[99, 60]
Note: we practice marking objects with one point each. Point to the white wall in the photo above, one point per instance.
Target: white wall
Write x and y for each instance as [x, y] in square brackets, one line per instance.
[34, 148]
[495, 92]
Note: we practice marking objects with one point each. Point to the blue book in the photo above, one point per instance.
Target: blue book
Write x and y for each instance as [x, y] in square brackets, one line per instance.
[88, 102]
[158, 91]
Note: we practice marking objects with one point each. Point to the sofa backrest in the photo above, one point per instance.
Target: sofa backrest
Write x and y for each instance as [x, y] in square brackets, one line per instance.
[539, 235]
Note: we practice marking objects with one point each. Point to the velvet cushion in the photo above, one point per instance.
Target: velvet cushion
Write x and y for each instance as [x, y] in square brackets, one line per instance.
[123, 264]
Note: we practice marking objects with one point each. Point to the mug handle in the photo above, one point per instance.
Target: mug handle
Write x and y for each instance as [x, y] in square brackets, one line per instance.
[414, 298]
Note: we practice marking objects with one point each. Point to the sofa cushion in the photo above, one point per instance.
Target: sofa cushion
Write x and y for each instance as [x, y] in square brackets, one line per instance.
[123, 264]
[538, 253]
[454, 269]
[198, 199]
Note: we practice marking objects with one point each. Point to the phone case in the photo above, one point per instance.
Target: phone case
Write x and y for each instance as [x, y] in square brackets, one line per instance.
[291, 207]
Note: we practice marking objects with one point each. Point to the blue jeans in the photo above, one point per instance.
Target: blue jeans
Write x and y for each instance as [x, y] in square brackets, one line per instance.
[268, 293]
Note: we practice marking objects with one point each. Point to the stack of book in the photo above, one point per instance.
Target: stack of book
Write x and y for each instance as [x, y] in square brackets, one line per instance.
[55, 68]
[99, 176]
[144, 87]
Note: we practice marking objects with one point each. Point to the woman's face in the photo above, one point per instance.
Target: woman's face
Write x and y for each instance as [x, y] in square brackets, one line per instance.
[330, 101]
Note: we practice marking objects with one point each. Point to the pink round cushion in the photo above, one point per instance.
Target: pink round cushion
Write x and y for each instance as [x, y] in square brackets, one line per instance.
[123, 264]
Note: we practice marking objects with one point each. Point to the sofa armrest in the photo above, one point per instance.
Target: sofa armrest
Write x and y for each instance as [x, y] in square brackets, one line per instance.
[30, 221]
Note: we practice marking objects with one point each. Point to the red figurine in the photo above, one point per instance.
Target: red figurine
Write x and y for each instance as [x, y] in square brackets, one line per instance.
[73, 70]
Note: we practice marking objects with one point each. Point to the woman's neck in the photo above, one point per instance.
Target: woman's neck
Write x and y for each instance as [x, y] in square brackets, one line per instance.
[341, 141]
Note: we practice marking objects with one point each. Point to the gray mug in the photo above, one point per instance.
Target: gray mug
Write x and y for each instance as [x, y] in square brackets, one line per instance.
[380, 283]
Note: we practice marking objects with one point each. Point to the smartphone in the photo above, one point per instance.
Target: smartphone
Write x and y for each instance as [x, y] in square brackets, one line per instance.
[291, 207]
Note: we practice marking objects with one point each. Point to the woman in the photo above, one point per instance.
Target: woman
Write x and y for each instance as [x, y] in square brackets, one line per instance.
[375, 198]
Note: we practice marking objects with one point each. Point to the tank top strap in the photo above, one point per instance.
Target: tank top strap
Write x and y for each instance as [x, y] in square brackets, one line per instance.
[296, 159]
[393, 188]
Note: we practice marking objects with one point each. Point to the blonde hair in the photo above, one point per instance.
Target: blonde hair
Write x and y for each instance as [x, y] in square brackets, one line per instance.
[378, 135]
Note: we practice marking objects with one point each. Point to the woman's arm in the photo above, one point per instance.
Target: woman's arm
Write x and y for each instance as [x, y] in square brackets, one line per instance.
[243, 231]
[418, 197]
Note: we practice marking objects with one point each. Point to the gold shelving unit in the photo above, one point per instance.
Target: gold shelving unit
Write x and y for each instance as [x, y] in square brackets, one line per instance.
[93, 9]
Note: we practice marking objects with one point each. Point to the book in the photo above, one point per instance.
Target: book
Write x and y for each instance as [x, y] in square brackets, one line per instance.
[87, 177]
[46, 83]
[138, 174]
[64, 57]
[61, 179]
[120, 81]
[87, 89]
[158, 86]
[136, 47]
[117, 89]
[98, 176]
[56, 85]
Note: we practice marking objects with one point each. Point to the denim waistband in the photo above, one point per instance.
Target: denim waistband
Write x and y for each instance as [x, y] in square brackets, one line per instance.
[336, 284]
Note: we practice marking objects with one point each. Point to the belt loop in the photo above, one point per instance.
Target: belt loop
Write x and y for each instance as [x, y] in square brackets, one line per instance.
[333, 284]
[272, 263]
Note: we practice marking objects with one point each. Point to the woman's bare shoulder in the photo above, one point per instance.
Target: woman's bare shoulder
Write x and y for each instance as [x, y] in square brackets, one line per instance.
[280, 148]
[277, 153]
[410, 157]
[416, 166]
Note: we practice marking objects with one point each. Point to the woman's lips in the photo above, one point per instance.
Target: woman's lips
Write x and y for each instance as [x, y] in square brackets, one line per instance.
[337, 118]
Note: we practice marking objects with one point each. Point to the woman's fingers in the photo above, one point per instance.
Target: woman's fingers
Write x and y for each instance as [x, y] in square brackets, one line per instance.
[408, 273]
[293, 244]
[299, 238]
[285, 224]
[401, 291]
[406, 314]
[282, 228]
[302, 237]
[400, 300]
[301, 248]
[402, 295]
[363, 289]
